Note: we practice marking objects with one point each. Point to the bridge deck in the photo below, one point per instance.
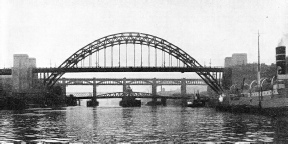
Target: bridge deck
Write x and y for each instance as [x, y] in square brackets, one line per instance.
[6, 71]
[124, 94]
[105, 97]
[129, 69]
[128, 81]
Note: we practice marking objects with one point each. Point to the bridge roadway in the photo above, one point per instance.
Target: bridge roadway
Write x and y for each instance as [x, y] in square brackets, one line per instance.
[128, 69]
[122, 94]
[6, 71]
[128, 81]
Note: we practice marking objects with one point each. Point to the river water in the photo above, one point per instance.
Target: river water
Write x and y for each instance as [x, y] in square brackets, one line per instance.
[137, 125]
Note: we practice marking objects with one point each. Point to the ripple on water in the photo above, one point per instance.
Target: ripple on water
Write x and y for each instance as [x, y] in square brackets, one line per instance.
[136, 125]
[29, 114]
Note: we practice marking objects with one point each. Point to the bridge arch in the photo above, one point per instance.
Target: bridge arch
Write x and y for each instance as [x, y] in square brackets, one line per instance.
[133, 38]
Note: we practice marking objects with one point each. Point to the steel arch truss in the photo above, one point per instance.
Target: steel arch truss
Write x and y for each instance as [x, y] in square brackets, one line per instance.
[133, 38]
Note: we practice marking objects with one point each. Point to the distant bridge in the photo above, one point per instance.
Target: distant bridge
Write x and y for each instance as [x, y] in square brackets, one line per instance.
[129, 81]
[123, 94]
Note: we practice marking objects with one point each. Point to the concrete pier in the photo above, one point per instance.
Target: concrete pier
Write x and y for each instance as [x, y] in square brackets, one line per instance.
[154, 90]
[79, 102]
[154, 101]
[128, 100]
[124, 84]
[93, 102]
[183, 92]
[164, 101]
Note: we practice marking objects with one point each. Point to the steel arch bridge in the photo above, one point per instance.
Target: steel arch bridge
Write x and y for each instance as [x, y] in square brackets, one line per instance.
[134, 38]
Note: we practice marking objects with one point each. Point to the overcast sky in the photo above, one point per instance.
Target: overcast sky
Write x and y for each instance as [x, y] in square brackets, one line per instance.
[52, 30]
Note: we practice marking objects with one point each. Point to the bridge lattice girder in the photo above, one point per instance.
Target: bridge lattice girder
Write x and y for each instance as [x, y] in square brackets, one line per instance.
[123, 94]
[133, 38]
[129, 81]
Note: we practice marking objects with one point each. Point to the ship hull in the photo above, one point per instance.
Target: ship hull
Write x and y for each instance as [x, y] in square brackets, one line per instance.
[268, 105]
[275, 111]
[196, 103]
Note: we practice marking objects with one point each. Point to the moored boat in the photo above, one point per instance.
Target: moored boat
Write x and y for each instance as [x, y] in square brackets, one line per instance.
[271, 102]
[197, 101]
[266, 95]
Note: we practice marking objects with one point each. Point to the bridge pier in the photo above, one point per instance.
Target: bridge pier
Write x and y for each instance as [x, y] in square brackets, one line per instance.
[79, 102]
[129, 101]
[93, 102]
[71, 101]
[154, 94]
[94, 87]
[164, 101]
[154, 90]
[124, 85]
[183, 92]
[63, 86]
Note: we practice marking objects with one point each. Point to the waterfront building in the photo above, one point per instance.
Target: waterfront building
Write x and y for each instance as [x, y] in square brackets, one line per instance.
[236, 59]
[239, 59]
[228, 62]
[22, 72]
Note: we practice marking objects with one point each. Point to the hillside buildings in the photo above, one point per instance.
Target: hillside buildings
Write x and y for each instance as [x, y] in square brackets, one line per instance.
[236, 59]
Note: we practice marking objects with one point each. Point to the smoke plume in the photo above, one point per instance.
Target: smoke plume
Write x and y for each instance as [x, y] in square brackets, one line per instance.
[283, 41]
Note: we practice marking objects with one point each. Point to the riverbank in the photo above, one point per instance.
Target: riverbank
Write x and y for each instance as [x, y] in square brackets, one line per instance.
[21, 101]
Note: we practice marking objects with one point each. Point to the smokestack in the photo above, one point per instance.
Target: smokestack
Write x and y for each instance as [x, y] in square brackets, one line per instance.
[281, 59]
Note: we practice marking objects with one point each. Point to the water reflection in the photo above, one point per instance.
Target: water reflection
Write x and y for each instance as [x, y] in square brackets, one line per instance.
[280, 126]
[79, 123]
[6, 125]
[145, 124]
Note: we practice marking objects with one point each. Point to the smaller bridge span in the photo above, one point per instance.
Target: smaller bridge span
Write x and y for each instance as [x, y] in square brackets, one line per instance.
[128, 81]
[123, 94]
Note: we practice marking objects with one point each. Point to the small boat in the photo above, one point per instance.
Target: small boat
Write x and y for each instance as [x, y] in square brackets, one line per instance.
[197, 101]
